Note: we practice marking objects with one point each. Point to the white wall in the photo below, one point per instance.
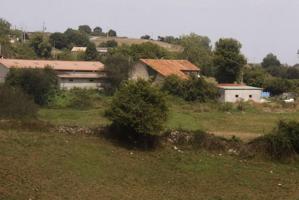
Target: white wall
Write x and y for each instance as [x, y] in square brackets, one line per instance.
[139, 71]
[238, 95]
[79, 83]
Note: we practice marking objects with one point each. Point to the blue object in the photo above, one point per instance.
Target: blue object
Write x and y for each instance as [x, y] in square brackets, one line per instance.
[265, 94]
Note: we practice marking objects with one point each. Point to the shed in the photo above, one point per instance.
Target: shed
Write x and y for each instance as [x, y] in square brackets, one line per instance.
[238, 92]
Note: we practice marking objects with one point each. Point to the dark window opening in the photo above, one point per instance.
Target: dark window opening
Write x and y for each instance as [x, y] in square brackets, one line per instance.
[91, 80]
[237, 96]
[250, 96]
[71, 80]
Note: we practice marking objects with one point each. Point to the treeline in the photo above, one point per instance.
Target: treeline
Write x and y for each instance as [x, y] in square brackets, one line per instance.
[223, 60]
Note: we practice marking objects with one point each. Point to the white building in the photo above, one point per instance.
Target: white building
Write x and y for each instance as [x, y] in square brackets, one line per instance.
[237, 92]
[71, 74]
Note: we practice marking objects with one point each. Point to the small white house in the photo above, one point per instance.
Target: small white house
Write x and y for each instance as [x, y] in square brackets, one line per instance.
[237, 92]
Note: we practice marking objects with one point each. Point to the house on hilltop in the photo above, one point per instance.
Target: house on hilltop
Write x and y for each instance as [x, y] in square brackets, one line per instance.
[157, 70]
[71, 74]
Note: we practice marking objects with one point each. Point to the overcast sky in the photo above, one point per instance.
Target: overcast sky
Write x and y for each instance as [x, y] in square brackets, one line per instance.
[262, 26]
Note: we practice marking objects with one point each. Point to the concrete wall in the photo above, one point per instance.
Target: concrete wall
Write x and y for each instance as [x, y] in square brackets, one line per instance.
[66, 83]
[139, 71]
[3, 73]
[238, 95]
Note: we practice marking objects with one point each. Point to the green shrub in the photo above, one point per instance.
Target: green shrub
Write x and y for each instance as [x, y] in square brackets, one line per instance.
[75, 98]
[282, 143]
[16, 104]
[192, 89]
[138, 107]
[81, 99]
[226, 107]
[39, 83]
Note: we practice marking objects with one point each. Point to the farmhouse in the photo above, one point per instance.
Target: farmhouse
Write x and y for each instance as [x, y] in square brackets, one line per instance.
[238, 92]
[157, 70]
[80, 74]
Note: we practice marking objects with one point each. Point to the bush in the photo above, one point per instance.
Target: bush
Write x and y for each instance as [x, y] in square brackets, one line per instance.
[282, 143]
[16, 104]
[191, 89]
[76, 98]
[139, 108]
[81, 99]
[39, 83]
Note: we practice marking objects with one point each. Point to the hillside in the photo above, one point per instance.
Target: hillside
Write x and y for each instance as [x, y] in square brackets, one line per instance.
[130, 41]
[39, 165]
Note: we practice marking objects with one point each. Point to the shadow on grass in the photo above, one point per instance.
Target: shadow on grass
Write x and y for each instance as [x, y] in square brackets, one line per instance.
[129, 139]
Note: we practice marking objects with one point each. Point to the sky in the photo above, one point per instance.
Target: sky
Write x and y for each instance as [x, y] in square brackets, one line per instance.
[262, 26]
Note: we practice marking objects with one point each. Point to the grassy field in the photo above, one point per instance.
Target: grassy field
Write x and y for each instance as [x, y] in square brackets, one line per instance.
[130, 41]
[188, 116]
[38, 165]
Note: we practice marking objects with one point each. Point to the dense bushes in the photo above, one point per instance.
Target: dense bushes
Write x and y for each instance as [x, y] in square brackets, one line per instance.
[283, 143]
[75, 98]
[191, 89]
[139, 108]
[16, 104]
[39, 83]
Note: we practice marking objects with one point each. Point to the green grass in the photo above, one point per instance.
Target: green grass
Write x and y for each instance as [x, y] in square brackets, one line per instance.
[188, 116]
[52, 166]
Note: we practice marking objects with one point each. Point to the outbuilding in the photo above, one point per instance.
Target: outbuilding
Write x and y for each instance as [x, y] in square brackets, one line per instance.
[158, 69]
[237, 92]
[71, 74]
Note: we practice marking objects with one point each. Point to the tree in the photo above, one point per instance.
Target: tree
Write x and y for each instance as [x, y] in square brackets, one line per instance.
[138, 107]
[117, 68]
[277, 86]
[145, 37]
[256, 76]
[4, 38]
[270, 60]
[85, 29]
[112, 33]
[41, 45]
[76, 38]
[97, 30]
[229, 61]
[59, 40]
[23, 51]
[4, 28]
[91, 52]
[198, 50]
[192, 89]
[39, 83]
[293, 73]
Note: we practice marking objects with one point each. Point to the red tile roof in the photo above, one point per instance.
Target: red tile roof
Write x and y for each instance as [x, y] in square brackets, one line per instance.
[171, 67]
[57, 65]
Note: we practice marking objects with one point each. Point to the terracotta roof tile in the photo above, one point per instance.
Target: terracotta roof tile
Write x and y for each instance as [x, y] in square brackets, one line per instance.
[171, 67]
[57, 65]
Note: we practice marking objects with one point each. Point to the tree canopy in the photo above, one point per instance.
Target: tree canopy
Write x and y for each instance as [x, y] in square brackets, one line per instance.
[229, 61]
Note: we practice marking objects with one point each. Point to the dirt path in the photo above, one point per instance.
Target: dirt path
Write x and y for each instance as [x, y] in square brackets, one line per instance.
[243, 136]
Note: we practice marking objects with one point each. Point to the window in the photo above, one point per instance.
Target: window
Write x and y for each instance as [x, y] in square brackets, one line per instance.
[250, 96]
[91, 80]
[237, 96]
[71, 80]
